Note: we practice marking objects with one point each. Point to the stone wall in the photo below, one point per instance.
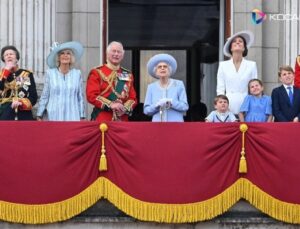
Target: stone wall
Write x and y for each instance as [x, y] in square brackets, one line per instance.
[80, 21]
[276, 41]
[266, 47]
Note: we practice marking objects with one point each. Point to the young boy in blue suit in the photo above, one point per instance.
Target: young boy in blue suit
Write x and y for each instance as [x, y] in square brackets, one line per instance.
[286, 98]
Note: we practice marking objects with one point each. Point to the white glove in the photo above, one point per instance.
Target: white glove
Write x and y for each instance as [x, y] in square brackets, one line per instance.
[160, 103]
[164, 103]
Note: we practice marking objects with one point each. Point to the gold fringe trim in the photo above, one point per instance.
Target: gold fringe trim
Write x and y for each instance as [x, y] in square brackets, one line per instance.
[277, 209]
[146, 211]
[171, 213]
[54, 212]
[205, 210]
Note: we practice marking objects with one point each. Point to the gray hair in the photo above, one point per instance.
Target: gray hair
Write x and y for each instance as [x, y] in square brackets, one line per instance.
[108, 48]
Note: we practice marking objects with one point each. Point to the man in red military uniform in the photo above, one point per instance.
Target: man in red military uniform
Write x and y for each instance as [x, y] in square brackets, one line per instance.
[110, 88]
[297, 72]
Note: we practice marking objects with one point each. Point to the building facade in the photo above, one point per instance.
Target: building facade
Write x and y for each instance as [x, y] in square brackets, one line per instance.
[33, 25]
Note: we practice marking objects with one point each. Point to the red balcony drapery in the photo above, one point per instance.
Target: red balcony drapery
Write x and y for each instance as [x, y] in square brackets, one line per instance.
[165, 172]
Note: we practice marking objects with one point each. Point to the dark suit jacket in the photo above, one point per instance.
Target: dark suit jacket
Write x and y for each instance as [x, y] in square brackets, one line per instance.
[283, 110]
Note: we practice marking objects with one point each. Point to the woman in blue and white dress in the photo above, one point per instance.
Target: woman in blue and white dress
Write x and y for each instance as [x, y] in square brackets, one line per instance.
[166, 99]
[62, 98]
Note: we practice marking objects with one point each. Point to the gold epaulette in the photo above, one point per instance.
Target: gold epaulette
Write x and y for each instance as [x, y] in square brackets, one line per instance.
[126, 70]
[25, 73]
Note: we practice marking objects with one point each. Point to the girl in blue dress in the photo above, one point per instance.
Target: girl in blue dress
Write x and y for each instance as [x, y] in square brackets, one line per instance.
[256, 107]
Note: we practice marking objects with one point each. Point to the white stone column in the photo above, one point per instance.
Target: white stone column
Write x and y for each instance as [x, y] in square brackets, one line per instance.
[87, 27]
[27, 24]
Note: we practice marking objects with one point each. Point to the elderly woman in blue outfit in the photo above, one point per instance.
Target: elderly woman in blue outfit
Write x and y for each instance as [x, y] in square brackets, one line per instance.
[62, 98]
[166, 99]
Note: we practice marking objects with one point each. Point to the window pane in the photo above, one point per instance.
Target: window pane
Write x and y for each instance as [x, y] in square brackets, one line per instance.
[176, 23]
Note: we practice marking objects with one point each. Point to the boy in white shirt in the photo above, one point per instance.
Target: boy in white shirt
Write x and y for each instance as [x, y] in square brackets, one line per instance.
[222, 113]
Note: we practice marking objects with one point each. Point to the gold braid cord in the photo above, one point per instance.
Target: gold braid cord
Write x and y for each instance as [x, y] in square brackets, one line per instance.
[243, 162]
[103, 161]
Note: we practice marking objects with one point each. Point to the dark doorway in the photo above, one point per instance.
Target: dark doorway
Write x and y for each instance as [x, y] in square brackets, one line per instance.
[188, 28]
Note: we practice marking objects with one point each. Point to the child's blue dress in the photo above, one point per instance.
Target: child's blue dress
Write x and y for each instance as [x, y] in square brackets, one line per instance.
[256, 109]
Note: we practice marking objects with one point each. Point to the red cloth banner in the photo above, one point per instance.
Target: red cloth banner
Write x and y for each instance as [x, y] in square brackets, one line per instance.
[173, 163]
[164, 172]
[47, 162]
[273, 159]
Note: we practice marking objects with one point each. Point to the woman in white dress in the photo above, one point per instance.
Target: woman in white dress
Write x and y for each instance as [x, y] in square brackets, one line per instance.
[166, 99]
[62, 98]
[234, 74]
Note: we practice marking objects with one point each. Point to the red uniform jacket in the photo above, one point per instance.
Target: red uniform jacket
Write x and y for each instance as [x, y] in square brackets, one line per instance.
[105, 86]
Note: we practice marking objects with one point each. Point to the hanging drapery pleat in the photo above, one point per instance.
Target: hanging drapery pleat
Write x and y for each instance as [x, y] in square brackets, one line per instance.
[50, 170]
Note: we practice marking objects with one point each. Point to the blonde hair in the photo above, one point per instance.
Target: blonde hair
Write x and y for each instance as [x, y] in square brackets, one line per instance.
[72, 62]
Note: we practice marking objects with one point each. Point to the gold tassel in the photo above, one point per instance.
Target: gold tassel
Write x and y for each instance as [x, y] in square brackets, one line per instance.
[103, 160]
[103, 163]
[243, 162]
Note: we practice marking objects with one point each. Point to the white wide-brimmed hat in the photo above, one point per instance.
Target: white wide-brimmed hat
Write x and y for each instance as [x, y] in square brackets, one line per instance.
[75, 46]
[155, 60]
[246, 34]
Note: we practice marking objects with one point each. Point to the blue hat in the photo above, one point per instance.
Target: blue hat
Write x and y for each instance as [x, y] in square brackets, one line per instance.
[246, 34]
[75, 46]
[155, 60]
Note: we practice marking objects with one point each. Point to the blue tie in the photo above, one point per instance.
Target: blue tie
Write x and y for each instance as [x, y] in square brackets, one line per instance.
[290, 94]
